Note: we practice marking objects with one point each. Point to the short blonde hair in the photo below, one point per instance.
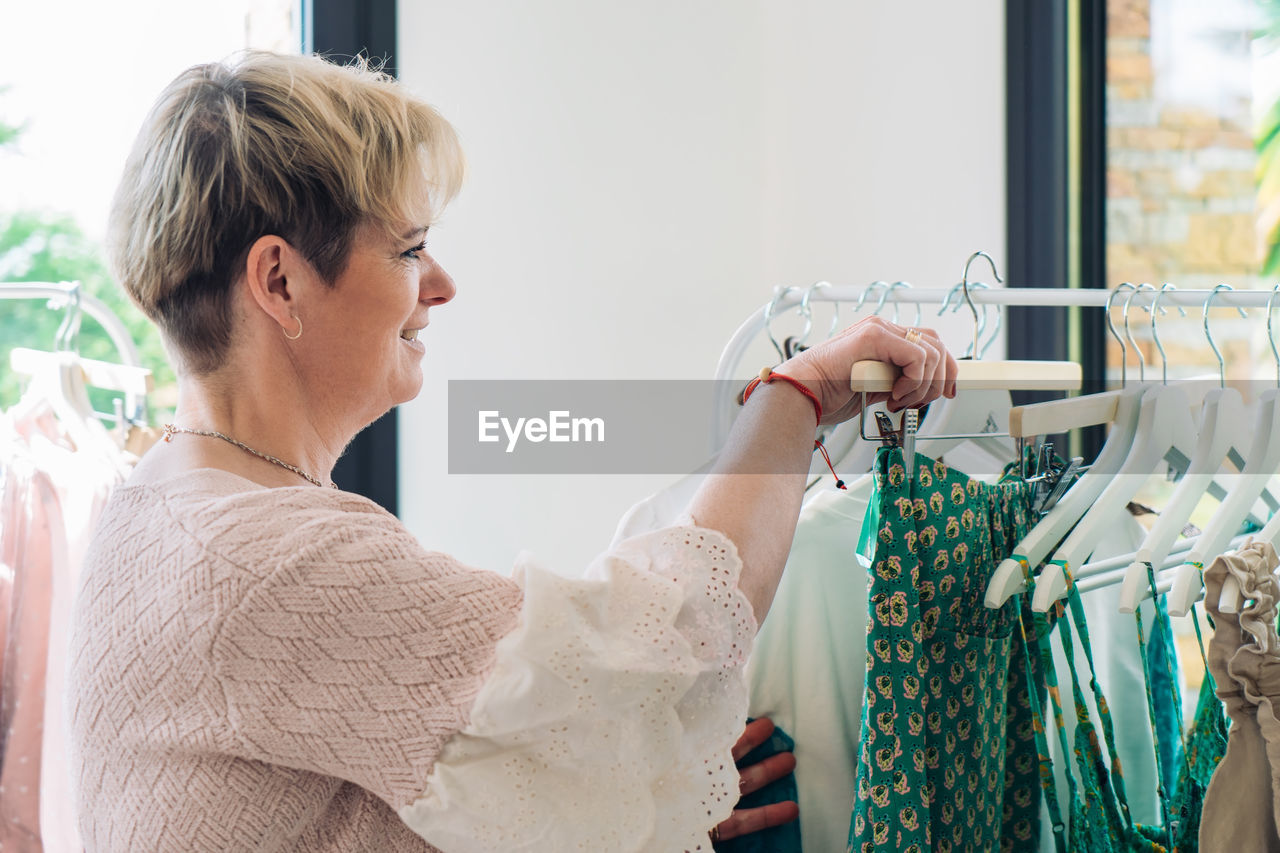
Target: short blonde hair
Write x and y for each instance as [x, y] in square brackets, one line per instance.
[267, 144]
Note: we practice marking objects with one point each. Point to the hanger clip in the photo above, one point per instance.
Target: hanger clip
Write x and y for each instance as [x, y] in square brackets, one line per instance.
[1053, 484]
[889, 435]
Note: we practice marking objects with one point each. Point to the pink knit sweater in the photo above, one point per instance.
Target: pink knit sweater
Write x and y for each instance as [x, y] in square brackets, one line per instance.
[286, 669]
[267, 669]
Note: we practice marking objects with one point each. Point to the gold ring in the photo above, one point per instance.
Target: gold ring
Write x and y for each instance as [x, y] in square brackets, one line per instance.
[914, 336]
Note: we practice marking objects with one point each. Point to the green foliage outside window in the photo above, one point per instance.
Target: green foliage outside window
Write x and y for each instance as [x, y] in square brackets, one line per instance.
[52, 248]
[1268, 147]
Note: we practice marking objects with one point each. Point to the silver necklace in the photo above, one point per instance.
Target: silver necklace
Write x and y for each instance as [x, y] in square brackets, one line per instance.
[170, 430]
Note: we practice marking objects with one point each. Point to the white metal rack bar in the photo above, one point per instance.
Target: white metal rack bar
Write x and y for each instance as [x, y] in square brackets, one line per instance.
[64, 291]
[980, 293]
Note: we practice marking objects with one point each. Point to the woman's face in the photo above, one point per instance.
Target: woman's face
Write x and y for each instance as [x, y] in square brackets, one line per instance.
[366, 333]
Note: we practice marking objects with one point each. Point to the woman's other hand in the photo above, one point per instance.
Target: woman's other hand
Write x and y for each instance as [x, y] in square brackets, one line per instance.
[926, 370]
[752, 778]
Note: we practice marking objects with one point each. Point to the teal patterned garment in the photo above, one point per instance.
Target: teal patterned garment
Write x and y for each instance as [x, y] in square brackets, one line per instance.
[1206, 744]
[1098, 815]
[774, 839]
[948, 757]
[1099, 821]
[1196, 754]
[1164, 707]
[1165, 689]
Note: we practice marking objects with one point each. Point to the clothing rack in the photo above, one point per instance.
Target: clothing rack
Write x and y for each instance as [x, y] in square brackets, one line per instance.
[979, 292]
[71, 294]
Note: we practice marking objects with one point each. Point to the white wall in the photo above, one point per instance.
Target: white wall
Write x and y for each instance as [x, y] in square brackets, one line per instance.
[641, 176]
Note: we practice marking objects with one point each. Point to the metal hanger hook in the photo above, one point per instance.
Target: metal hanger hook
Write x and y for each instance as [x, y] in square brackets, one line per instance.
[1222, 365]
[807, 312]
[862, 297]
[895, 286]
[1111, 327]
[1155, 336]
[1142, 362]
[964, 286]
[778, 293]
[995, 333]
[68, 333]
[884, 297]
[946, 300]
[1271, 339]
[982, 324]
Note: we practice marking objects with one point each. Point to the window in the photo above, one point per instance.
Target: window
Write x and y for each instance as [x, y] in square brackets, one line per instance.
[1190, 90]
[69, 110]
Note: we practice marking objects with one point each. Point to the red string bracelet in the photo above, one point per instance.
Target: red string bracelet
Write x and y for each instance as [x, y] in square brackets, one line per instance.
[766, 376]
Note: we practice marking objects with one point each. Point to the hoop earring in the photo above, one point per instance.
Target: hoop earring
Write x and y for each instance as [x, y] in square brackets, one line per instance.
[294, 337]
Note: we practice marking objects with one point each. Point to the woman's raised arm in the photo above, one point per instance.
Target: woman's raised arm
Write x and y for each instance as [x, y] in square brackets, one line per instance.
[753, 495]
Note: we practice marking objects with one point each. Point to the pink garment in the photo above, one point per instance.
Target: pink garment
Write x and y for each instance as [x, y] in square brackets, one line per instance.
[267, 669]
[33, 544]
[1242, 804]
[59, 492]
[83, 483]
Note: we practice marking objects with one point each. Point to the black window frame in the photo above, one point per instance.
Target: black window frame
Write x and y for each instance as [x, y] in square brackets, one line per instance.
[1055, 68]
[370, 465]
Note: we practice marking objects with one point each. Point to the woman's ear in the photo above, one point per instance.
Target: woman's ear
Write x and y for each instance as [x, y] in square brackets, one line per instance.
[275, 275]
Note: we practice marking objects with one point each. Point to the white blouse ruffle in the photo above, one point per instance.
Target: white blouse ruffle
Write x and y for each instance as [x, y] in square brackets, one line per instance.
[608, 721]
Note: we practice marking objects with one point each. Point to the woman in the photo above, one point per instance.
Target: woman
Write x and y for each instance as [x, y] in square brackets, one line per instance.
[264, 662]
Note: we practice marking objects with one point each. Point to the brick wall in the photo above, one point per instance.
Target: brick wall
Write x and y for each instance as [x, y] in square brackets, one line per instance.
[1181, 198]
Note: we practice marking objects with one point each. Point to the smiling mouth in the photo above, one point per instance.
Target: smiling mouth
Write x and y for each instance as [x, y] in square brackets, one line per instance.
[410, 334]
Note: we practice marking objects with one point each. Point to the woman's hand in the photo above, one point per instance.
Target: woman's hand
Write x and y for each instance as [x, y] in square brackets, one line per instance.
[927, 370]
[753, 495]
[753, 777]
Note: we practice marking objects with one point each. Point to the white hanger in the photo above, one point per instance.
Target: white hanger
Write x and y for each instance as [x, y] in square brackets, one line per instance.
[1102, 578]
[1222, 419]
[97, 374]
[1164, 423]
[1008, 579]
[1271, 530]
[1229, 597]
[1260, 465]
[1121, 409]
[1166, 432]
[58, 381]
[1269, 533]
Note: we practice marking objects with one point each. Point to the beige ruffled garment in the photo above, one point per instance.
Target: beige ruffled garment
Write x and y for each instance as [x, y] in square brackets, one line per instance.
[1242, 805]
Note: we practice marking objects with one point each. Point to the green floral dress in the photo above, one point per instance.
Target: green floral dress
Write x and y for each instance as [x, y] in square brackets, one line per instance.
[1194, 756]
[948, 757]
[1098, 817]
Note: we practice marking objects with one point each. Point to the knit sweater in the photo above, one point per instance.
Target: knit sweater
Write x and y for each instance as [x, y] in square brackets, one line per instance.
[288, 669]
